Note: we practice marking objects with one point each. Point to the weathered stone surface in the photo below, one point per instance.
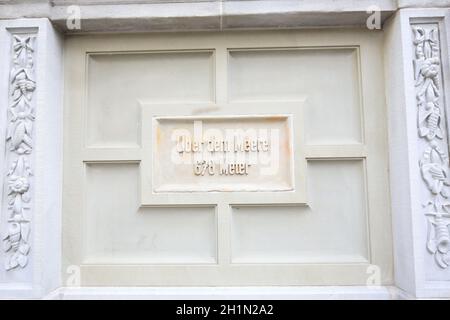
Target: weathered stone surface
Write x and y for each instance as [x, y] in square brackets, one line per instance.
[173, 15]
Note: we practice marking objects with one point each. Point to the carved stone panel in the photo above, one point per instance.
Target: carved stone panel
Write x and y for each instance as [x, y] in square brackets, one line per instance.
[226, 153]
[434, 163]
[19, 148]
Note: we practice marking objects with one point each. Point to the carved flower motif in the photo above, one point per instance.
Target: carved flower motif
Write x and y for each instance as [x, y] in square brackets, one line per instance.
[23, 83]
[19, 184]
[435, 176]
[430, 68]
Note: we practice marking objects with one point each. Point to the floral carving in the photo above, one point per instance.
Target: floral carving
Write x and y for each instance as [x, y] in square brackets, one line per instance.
[19, 140]
[434, 165]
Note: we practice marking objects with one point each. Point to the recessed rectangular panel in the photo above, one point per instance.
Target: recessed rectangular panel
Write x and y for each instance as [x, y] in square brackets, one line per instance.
[222, 153]
[117, 82]
[331, 229]
[326, 78]
[140, 211]
[118, 231]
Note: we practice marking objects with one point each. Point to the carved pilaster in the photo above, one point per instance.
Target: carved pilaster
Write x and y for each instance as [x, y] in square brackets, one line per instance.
[19, 149]
[434, 162]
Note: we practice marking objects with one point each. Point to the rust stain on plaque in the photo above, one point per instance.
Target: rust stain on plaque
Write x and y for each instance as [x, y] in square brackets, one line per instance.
[158, 136]
[287, 147]
[270, 119]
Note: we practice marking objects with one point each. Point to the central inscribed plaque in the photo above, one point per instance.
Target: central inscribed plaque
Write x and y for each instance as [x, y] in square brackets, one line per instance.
[222, 153]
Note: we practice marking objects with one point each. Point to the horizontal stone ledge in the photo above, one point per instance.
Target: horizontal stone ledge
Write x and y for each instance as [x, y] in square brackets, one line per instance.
[423, 4]
[191, 15]
[176, 15]
[249, 293]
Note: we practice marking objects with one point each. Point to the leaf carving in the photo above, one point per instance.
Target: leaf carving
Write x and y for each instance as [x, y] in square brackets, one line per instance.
[20, 145]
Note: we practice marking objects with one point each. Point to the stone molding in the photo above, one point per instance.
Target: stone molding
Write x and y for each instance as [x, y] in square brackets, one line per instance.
[176, 15]
[193, 15]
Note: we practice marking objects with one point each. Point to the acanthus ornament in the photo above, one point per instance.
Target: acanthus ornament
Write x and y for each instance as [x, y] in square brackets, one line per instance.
[434, 164]
[19, 144]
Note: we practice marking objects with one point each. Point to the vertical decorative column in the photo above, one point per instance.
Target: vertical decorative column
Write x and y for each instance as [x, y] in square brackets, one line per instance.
[19, 150]
[417, 76]
[434, 162]
[31, 161]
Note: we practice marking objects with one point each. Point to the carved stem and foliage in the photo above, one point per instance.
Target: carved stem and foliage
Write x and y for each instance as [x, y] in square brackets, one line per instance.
[434, 162]
[19, 144]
